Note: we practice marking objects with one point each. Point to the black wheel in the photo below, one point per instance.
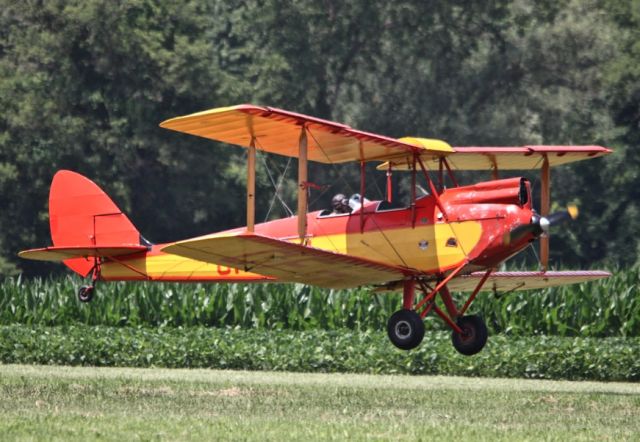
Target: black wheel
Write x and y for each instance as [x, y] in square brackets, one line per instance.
[405, 329]
[474, 335]
[85, 294]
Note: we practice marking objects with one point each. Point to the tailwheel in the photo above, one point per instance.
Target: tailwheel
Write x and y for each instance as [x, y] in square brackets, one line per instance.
[405, 329]
[85, 293]
[473, 337]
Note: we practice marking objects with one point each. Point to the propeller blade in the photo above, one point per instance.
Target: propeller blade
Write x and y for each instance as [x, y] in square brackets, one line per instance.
[540, 224]
[517, 233]
[565, 215]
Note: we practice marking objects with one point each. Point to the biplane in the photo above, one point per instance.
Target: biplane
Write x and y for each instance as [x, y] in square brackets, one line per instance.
[451, 238]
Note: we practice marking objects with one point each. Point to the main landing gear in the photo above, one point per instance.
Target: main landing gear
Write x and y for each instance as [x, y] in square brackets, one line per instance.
[473, 337]
[86, 292]
[406, 327]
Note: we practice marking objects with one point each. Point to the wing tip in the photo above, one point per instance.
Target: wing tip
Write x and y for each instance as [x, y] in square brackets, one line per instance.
[171, 122]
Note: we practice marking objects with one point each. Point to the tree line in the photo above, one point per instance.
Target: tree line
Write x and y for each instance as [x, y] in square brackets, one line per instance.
[84, 84]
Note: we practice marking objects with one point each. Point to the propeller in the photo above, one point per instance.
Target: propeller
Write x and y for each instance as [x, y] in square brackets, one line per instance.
[540, 224]
[565, 215]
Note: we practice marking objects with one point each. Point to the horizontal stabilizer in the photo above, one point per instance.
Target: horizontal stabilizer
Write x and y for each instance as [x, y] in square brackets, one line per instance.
[58, 254]
[509, 281]
[288, 262]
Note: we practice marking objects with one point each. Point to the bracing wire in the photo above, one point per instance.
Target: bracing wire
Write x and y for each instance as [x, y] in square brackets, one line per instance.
[277, 186]
[535, 254]
[277, 190]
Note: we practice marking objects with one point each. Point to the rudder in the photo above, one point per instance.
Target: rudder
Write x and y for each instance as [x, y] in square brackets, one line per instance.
[82, 214]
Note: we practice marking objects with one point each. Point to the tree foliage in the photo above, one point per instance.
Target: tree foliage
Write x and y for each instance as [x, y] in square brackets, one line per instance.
[84, 84]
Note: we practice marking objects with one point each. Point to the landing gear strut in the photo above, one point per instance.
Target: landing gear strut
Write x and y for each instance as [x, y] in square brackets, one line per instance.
[85, 293]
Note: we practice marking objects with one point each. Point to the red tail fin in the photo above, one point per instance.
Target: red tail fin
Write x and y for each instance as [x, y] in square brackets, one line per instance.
[81, 214]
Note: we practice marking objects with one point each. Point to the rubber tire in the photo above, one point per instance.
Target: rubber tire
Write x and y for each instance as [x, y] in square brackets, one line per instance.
[476, 335]
[85, 293]
[405, 329]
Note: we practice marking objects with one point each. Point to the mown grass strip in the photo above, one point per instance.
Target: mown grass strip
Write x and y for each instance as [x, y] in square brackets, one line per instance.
[63, 403]
[609, 307]
[544, 357]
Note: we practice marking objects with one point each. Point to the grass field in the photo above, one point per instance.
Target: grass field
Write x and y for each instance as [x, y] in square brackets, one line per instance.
[56, 403]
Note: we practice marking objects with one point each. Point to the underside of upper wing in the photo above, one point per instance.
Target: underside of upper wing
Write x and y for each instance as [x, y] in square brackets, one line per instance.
[288, 262]
[509, 281]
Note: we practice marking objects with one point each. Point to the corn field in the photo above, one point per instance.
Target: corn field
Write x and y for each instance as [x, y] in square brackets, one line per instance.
[609, 307]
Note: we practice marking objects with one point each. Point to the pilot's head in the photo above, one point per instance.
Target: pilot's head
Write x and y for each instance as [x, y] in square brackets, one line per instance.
[340, 203]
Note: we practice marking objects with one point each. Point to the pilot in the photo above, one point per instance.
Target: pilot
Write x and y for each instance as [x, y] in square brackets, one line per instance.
[340, 204]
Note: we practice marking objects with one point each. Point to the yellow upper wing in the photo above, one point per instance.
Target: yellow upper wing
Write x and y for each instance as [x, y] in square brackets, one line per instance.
[278, 131]
[502, 158]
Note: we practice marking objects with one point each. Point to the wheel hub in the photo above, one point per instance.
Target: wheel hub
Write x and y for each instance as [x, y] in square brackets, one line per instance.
[403, 329]
[467, 333]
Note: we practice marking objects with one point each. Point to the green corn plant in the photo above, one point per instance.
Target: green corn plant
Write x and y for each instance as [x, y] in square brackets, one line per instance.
[609, 307]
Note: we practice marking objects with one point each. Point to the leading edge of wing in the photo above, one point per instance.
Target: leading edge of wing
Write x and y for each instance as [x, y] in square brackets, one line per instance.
[509, 281]
[278, 131]
[286, 261]
[504, 158]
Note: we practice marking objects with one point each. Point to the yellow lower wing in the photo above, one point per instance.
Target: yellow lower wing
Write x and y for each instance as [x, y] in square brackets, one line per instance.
[509, 281]
[286, 261]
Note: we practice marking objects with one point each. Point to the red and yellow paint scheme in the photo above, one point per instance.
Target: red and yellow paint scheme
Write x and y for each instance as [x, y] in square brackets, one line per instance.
[450, 239]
